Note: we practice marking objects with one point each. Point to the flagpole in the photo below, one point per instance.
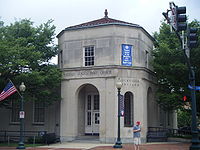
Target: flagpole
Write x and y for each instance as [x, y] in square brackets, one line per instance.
[15, 88]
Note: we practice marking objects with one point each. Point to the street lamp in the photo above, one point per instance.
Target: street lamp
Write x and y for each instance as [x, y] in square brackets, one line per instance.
[22, 88]
[118, 143]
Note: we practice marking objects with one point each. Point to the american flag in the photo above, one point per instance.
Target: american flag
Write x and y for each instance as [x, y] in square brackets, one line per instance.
[7, 91]
[122, 105]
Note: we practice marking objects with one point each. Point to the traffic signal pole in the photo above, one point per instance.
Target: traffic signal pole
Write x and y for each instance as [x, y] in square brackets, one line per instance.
[195, 135]
[178, 23]
[195, 138]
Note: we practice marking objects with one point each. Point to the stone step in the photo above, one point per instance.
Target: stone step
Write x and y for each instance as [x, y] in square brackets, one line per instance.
[87, 139]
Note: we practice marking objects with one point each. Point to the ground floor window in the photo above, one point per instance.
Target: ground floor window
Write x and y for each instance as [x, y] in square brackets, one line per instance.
[39, 112]
[15, 111]
[128, 109]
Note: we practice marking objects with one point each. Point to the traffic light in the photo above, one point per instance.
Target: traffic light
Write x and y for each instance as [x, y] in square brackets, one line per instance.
[184, 98]
[181, 18]
[192, 37]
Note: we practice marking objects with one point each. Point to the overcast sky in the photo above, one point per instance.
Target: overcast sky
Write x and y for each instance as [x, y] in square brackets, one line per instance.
[146, 13]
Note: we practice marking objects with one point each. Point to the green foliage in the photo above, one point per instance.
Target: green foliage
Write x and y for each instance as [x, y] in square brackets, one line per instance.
[184, 117]
[169, 101]
[43, 85]
[171, 69]
[25, 52]
[37, 140]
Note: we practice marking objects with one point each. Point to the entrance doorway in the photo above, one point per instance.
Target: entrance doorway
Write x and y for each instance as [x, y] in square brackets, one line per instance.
[88, 110]
[92, 115]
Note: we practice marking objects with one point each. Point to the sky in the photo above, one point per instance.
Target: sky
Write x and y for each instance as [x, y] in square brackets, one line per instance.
[65, 13]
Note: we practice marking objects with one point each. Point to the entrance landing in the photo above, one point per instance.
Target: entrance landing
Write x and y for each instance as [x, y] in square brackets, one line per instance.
[87, 139]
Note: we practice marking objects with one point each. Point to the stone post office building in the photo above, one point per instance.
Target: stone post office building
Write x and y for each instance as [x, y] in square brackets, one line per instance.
[93, 56]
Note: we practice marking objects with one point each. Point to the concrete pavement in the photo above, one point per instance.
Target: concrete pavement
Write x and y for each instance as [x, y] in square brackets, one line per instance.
[77, 145]
[100, 146]
[147, 146]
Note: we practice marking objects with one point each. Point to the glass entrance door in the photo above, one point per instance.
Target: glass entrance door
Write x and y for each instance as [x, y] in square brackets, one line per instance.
[92, 119]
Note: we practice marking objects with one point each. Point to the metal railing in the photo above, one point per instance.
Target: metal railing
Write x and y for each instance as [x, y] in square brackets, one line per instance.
[170, 131]
[13, 136]
[158, 134]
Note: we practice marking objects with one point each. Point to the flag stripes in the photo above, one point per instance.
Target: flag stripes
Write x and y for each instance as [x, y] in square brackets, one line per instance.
[7, 91]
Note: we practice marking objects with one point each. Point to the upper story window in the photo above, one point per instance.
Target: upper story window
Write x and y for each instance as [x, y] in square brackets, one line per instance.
[60, 58]
[89, 56]
[146, 59]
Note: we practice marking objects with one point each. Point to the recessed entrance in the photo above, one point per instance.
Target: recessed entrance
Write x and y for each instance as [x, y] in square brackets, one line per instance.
[88, 110]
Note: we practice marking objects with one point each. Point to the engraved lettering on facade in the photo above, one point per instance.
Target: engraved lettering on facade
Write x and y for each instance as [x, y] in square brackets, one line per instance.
[68, 74]
[130, 82]
[104, 72]
[88, 73]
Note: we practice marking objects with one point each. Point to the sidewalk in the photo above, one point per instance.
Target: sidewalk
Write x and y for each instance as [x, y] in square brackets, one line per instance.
[99, 146]
[174, 146]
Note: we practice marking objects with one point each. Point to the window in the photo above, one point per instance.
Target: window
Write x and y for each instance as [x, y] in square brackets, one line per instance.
[89, 118]
[96, 102]
[39, 111]
[89, 56]
[15, 111]
[128, 109]
[96, 119]
[89, 102]
[60, 58]
[146, 59]
[168, 118]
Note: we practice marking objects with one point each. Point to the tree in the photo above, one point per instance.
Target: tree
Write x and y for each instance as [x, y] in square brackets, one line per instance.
[184, 117]
[25, 54]
[171, 69]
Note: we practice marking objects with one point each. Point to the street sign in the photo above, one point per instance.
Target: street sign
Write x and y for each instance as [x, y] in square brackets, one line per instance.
[21, 114]
[173, 21]
[197, 88]
[187, 52]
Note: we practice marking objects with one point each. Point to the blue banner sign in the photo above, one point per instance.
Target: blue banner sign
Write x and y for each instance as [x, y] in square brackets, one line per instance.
[126, 55]
[197, 88]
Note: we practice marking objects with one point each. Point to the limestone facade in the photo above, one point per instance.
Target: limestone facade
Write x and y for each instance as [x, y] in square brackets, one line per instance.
[89, 102]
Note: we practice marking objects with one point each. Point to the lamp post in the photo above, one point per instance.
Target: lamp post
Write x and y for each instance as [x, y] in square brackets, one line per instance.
[22, 88]
[118, 143]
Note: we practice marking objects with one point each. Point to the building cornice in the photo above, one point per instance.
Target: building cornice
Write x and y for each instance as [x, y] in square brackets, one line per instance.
[103, 25]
